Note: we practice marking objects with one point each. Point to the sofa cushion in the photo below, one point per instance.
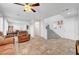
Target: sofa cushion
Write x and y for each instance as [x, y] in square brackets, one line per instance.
[7, 49]
[23, 38]
[1, 40]
[8, 40]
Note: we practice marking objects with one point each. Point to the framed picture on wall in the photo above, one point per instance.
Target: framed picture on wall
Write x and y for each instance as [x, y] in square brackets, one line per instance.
[10, 29]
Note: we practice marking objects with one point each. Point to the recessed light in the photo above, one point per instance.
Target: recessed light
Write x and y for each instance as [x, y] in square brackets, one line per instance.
[68, 13]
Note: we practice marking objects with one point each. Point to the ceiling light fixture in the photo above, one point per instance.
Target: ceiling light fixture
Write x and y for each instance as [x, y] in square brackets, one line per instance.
[27, 8]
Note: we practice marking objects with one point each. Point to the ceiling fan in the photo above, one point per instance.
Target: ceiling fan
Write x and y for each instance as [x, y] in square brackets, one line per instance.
[29, 6]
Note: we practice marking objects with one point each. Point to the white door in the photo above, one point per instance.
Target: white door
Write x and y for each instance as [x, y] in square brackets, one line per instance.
[37, 28]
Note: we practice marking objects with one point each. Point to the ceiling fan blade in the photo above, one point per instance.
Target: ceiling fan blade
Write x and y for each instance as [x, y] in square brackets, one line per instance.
[33, 10]
[19, 4]
[36, 4]
[24, 10]
[26, 3]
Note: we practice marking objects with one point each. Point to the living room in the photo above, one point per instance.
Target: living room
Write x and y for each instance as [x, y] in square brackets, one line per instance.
[39, 29]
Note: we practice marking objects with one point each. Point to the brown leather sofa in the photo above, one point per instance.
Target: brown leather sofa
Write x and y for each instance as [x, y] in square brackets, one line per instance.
[6, 44]
[23, 36]
[6, 41]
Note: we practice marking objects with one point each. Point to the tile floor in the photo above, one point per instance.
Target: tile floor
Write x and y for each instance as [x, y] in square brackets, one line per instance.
[41, 46]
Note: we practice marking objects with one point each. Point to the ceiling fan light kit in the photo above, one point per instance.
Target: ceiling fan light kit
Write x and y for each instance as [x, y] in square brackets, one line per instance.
[28, 7]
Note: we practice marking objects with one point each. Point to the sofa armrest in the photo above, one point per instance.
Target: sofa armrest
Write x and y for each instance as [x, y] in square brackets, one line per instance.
[6, 41]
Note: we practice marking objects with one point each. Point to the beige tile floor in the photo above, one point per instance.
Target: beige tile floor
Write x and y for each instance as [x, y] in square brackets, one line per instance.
[41, 46]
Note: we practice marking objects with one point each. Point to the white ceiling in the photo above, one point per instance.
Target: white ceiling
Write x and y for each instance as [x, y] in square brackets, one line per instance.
[45, 10]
